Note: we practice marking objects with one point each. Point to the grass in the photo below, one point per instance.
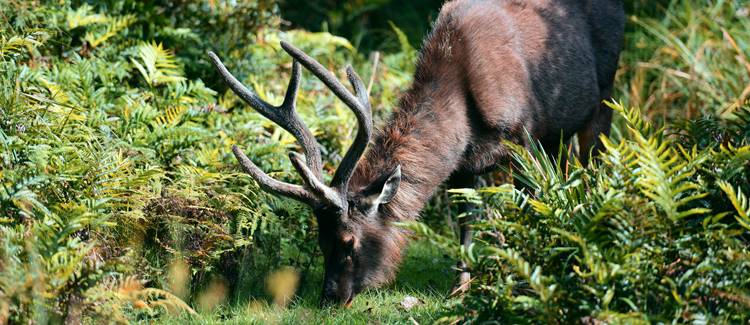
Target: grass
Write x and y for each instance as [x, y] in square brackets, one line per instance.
[426, 274]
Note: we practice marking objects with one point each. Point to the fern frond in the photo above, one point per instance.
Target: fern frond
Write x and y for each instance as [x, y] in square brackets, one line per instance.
[171, 116]
[621, 159]
[403, 40]
[536, 279]
[21, 195]
[740, 202]
[114, 27]
[167, 300]
[83, 17]
[465, 195]
[740, 125]
[664, 168]
[17, 44]
[634, 119]
[157, 65]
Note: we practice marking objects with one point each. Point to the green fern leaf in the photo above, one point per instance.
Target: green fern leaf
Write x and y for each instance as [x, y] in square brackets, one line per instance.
[740, 202]
[157, 65]
[83, 17]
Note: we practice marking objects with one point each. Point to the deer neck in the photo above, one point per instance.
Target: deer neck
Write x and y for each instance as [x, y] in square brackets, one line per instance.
[427, 135]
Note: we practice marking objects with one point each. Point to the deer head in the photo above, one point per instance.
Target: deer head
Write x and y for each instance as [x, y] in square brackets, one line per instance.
[349, 233]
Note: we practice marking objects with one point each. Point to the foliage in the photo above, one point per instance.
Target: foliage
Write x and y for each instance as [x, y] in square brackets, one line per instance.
[655, 232]
[115, 160]
[365, 22]
[120, 200]
[687, 54]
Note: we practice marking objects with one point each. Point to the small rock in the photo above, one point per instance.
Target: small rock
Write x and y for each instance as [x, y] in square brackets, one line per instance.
[743, 12]
[410, 302]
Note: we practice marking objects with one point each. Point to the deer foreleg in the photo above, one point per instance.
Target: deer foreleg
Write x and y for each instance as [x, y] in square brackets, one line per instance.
[466, 216]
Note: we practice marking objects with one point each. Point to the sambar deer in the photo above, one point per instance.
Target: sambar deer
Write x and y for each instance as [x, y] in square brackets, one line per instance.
[489, 71]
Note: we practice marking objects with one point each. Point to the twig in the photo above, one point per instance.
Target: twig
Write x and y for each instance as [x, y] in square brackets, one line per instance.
[374, 70]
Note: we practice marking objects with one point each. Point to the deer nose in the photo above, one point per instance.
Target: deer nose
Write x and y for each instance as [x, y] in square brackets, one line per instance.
[327, 300]
[328, 296]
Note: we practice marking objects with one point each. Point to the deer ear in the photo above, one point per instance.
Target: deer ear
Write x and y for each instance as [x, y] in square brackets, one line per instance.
[383, 191]
[391, 186]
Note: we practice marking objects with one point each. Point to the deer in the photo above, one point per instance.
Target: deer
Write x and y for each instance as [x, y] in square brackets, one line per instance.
[490, 72]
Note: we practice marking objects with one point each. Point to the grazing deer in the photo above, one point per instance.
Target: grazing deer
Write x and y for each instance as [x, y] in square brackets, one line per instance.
[488, 71]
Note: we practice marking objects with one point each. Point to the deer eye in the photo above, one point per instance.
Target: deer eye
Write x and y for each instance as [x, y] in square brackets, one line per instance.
[348, 245]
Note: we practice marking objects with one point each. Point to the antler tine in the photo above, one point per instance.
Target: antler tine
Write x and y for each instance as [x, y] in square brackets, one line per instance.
[269, 184]
[359, 104]
[283, 115]
[363, 113]
[323, 74]
[326, 194]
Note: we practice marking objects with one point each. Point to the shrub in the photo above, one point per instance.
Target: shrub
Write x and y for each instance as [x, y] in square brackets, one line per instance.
[656, 231]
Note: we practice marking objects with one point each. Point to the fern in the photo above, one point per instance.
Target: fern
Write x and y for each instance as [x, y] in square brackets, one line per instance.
[663, 173]
[740, 202]
[540, 283]
[18, 194]
[19, 44]
[604, 236]
[82, 17]
[183, 33]
[171, 116]
[157, 65]
[113, 27]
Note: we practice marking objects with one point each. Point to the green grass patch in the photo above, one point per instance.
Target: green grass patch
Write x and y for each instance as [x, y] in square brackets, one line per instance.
[426, 274]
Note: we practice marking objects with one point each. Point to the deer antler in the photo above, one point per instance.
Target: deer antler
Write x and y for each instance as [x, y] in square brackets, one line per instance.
[314, 191]
[360, 105]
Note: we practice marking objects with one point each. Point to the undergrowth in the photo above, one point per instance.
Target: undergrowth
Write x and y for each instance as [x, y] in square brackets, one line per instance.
[120, 200]
[655, 231]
